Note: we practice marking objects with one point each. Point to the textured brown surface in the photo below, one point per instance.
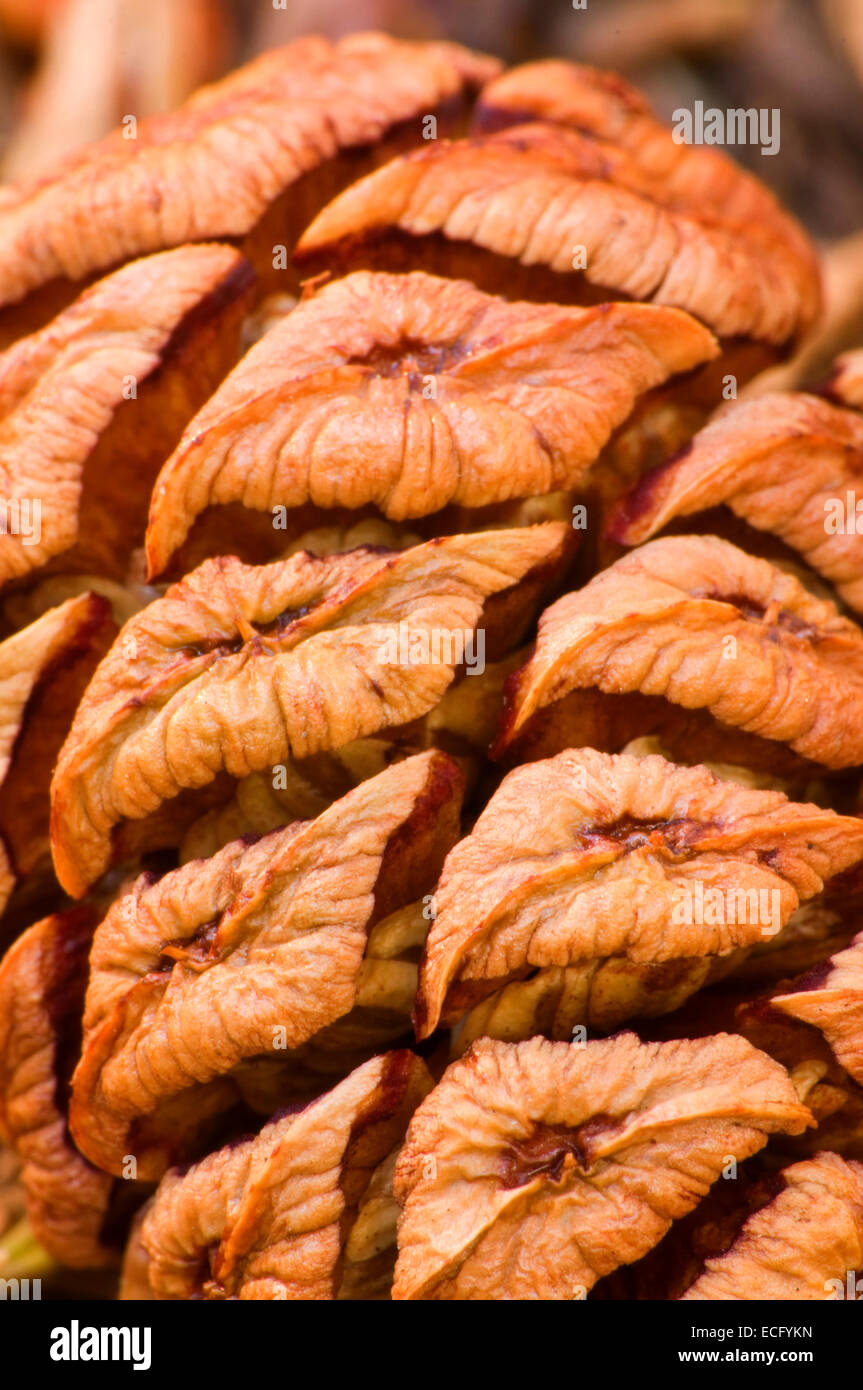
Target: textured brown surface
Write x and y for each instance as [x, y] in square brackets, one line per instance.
[532, 193]
[781, 463]
[463, 724]
[44, 669]
[216, 166]
[830, 998]
[814, 932]
[564, 901]
[290, 1213]
[12, 1200]
[255, 699]
[535, 1168]
[239, 668]
[845, 383]
[698, 622]
[792, 1248]
[702, 180]
[334, 407]
[250, 954]
[91, 403]
[42, 980]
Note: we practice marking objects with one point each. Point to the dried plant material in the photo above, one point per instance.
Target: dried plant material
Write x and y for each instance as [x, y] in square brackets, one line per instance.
[249, 954]
[845, 383]
[463, 724]
[385, 987]
[544, 211]
[412, 393]
[590, 100]
[135, 1277]
[782, 464]
[351, 535]
[801, 1245]
[43, 672]
[702, 625]
[91, 404]
[523, 511]
[104, 58]
[370, 1251]
[12, 1200]
[832, 1096]
[757, 1200]
[20, 607]
[468, 716]
[7, 878]
[830, 998]
[251, 157]
[651, 745]
[290, 1213]
[814, 932]
[660, 426]
[839, 325]
[591, 718]
[534, 1169]
[270, 311]
[339, 528]
[238, 669]
[841, 1127]
[42, 980]
[295, 791]
[699, 179]
[588, 878]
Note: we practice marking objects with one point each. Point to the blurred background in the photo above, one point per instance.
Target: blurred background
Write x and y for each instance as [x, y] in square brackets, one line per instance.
[71, 69]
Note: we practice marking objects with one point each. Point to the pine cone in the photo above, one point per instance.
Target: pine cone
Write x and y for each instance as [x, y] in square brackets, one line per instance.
[535, 1168]
[783, 465]
[78, 1212]
[328, 782]
[693, 622]
[253, 954]
[412, 394]
[250, 158]
[304, 1210]
[44, 670]
[595, 889]
[238, 669]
